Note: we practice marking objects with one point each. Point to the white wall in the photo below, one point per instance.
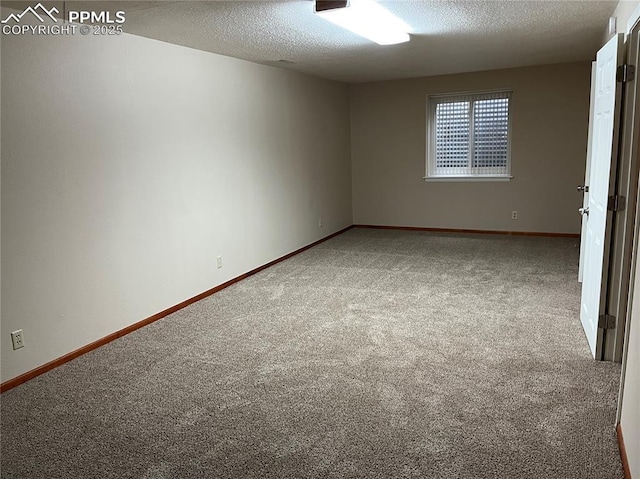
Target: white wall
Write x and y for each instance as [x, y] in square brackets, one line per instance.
[630, 410]
[550, 116]
[630, 405]
[624, 10]
[129, 164]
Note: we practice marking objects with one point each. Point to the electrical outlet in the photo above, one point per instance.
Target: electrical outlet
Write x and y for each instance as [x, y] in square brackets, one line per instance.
[17, 339]
[514, 215]
[219, 261]
[320, 222]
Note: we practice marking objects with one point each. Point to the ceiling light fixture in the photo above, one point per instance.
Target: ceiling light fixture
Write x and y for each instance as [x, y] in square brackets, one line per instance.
[365, 18]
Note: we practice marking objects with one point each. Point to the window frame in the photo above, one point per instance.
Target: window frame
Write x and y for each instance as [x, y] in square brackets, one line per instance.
[470, 175]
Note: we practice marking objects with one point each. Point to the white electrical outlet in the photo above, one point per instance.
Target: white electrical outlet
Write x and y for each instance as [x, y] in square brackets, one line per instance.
[514, 215]
[320, 222]
[219, 261]
[17, 339]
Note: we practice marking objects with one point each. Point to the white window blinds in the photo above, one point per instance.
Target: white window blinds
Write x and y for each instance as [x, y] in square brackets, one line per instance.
[469, 135]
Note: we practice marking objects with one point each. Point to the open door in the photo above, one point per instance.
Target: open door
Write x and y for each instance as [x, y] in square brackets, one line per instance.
[584, 187]
[602, 179]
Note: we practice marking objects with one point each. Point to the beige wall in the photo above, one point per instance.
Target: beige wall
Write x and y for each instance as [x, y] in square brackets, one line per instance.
[550, 114]
[129, 164]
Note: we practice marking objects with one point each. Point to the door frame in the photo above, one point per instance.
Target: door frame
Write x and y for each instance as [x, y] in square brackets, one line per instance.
[622, 240]
[631, 147]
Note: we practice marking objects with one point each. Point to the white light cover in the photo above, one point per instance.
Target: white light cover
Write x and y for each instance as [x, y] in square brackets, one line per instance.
[370, 20]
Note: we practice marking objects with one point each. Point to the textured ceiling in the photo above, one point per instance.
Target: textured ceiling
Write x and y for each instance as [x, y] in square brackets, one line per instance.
[447, 36]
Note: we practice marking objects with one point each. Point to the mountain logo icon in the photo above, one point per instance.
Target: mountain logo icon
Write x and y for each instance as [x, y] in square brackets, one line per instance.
[17, 17]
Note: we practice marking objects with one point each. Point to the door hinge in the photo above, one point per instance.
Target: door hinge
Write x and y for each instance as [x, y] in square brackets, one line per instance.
[606, 321]
[617, 203]
[625, 73]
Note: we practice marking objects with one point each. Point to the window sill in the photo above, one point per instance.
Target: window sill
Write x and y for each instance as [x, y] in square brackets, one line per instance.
[469, 178]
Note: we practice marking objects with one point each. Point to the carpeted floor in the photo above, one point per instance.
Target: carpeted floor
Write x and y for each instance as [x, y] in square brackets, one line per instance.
[377, 354]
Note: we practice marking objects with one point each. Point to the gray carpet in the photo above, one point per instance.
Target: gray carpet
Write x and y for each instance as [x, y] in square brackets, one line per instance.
[377, 354]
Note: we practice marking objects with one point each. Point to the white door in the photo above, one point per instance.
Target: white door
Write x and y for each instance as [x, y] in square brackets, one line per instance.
[604, 150]
[585, 186]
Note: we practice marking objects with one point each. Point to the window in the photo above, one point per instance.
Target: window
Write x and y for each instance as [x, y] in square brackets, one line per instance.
[469, 136]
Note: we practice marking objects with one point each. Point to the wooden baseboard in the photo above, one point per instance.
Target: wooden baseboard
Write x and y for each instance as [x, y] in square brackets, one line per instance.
[623, 453]
[111, 337]
[455, 230]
